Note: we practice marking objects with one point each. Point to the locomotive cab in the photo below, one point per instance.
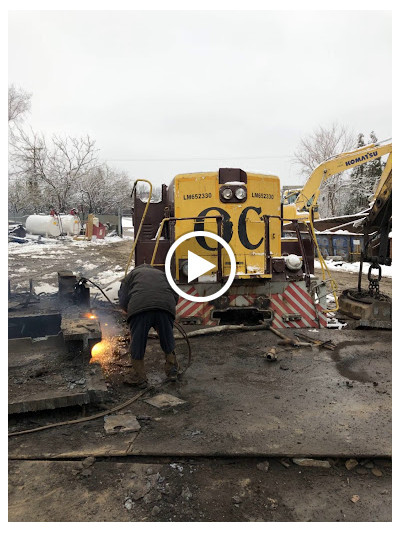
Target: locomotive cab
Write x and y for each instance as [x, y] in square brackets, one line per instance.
[245, 210]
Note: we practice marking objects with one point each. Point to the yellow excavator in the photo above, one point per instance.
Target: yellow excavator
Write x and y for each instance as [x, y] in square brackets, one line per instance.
[299, 203]
[371, 308]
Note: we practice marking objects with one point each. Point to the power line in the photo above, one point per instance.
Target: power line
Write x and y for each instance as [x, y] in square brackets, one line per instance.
[202, 158]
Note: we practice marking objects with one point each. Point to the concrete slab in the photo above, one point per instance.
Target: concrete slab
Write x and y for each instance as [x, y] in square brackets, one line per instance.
[52, 400]
[163, 401]
[42, 375]
[120, 424]
[80, 331]
[310, 403]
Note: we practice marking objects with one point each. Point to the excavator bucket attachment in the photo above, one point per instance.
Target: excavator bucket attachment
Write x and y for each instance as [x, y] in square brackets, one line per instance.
[371, 312]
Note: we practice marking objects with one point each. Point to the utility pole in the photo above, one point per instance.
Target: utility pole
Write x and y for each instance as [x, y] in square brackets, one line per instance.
[32, 177]
[34, 149]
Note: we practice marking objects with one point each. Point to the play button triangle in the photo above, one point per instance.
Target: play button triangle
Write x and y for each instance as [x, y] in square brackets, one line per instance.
[197, 266]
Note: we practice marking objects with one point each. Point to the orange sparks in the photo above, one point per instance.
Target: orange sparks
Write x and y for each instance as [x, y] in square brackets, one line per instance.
[102, 352]
[90, 315]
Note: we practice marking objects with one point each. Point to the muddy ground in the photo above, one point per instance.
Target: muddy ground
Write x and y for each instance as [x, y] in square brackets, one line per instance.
[170, 487]
[349, 280]
[197, 490]
[311, 402]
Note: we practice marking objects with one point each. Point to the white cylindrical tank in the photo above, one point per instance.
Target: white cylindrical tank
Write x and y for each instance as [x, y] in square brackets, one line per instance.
[45, 225]
[71, 224]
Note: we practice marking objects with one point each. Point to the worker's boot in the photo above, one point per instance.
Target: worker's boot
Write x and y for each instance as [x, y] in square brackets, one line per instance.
[171, 366]
[137, 374]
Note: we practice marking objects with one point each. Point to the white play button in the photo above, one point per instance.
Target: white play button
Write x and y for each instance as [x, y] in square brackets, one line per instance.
[197, 266]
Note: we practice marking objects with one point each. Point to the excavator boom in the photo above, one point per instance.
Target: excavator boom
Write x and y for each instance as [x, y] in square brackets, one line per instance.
[299, 202]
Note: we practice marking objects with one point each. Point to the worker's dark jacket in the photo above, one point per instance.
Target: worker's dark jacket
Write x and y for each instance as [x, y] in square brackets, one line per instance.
[146, 288]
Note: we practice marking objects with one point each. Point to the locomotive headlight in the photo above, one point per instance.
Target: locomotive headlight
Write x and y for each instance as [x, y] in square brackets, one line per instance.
[240, 193]
[227, 194]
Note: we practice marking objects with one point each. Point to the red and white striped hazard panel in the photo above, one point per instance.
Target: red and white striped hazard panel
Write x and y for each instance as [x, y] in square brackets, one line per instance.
[294, 308]
[202, 310]
[296, 300]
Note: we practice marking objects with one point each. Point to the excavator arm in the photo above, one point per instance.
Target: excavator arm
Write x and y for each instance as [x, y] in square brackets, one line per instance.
[298, 203]
[384, 186]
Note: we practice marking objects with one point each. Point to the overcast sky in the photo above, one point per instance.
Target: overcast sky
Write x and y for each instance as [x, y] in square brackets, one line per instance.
[170, 92]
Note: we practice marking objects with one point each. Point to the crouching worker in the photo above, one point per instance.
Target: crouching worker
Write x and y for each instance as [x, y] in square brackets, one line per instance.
[149, 301]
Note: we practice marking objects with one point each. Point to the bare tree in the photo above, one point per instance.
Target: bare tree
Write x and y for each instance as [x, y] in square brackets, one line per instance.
[19, 103]
[322, 144]
[104, 190]
[142, 191]
[19, 197]
[55, 168]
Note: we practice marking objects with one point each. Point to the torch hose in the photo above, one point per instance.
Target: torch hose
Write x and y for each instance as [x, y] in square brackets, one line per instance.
[84, 419]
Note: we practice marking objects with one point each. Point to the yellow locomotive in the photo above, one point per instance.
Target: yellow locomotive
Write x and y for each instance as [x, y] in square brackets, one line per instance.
[274, 279]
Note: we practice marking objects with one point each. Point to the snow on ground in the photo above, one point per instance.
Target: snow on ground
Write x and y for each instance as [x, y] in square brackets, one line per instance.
[111, 290]
[39, 247]
[98, 242]
[29, 248]
[45, 288]
[109, 281]
[36, 247]
[342, 266]
[84, 258]
[106, 278]
[334, 323]
[85, 266]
